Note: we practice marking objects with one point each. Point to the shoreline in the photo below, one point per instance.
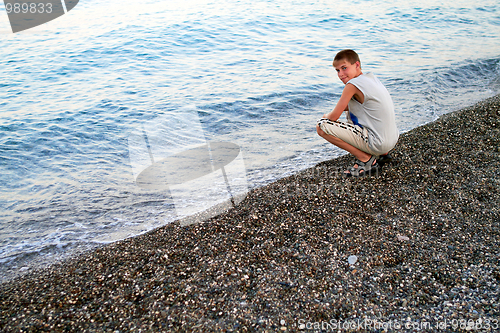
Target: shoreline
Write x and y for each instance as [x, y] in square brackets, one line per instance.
[425, 234]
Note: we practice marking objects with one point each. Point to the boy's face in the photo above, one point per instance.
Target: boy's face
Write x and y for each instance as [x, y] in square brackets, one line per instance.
[346, 70]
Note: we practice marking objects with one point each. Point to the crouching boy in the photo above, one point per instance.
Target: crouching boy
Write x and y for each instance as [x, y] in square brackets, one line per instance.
[370, 131]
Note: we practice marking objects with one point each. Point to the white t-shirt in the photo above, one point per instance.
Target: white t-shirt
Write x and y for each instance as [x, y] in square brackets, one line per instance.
[376, 114]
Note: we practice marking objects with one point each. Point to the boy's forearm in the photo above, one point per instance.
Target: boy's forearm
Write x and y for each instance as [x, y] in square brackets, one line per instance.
[342, 104]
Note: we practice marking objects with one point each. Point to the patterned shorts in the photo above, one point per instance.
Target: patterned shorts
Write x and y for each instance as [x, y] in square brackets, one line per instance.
[354, 135]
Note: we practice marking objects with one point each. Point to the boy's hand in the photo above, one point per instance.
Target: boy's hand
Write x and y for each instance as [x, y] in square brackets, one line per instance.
[329, 116]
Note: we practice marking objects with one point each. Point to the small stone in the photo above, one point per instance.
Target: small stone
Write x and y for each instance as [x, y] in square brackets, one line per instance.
[352, 259]
[403, 238]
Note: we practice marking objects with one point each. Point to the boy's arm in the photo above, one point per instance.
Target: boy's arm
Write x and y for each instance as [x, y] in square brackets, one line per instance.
[342, 104]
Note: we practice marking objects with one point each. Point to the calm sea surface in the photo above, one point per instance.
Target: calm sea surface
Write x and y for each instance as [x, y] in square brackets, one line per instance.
[75, 93]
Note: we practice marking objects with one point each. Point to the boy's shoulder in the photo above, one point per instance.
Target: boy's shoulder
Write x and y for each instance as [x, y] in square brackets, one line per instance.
[365, 78]
[368, 75]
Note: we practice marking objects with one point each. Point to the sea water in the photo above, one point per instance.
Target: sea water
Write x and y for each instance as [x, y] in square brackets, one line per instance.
[89, 101]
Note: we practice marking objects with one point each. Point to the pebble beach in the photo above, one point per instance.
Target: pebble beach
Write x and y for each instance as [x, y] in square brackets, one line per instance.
[414, 248]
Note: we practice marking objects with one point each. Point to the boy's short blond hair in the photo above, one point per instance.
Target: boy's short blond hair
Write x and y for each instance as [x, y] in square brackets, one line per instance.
[347, 55]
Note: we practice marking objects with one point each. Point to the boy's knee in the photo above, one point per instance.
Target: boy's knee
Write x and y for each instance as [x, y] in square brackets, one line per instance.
[320, 131]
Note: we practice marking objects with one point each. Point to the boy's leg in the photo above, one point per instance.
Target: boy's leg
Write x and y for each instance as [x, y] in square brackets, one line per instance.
[359, 154]
[347, 136]
[350, 137]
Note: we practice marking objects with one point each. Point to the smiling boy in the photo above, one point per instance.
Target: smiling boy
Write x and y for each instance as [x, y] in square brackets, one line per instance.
[370, 131]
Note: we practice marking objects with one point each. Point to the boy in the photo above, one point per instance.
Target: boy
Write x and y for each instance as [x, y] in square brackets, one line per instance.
[371, 128]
